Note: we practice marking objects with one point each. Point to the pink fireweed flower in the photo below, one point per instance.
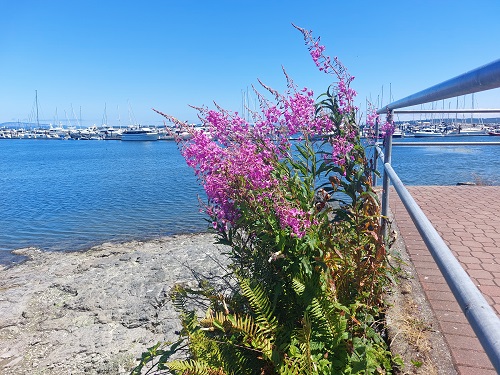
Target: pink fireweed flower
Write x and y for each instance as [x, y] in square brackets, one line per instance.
[342, 146]
[232, 162]
[236, 161]
[387, 129]
[294, 113]
[299, 113]
[372, 118]
[230, 173]
[345, 96]
[293, 218]
[323, 62]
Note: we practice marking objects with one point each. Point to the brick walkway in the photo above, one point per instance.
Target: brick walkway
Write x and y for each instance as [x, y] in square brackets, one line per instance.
[468, 219]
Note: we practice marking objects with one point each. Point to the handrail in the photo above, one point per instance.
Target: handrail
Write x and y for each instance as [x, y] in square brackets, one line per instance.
[482, 318]
[484, 78]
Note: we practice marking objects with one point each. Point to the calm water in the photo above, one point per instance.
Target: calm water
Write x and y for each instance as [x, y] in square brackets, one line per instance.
[447, 165]
[70, 195]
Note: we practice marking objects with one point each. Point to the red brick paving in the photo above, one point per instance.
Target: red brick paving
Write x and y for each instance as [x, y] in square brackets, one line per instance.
[468, 219]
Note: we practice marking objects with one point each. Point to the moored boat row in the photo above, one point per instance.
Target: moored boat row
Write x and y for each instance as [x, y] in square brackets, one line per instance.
[131, 133]
[439, 130]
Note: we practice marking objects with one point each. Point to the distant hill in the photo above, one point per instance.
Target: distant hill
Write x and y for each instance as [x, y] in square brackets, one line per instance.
[26, 125]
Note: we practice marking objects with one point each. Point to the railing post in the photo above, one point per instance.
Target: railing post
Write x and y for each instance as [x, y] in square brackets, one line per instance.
[386, 180]
[375, 154]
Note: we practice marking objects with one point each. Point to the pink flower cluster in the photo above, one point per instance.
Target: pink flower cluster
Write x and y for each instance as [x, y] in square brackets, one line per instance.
[291, 113]
[342, 146]
[236, 164]
[371, 116]
[387, 129]
[294, 218]
[316, 52]
[241, 166]
[345, 96]
[371, 119]
[232, 166]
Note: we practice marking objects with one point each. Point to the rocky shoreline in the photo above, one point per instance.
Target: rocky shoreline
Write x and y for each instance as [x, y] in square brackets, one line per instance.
[95, 312]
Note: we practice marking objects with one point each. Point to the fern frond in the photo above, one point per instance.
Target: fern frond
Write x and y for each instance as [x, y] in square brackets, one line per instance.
[190, 367]
[178, 295]
[292, 366]
[254, 340]
[298, 286]
[326, 316]
[305, 342]
[255, 337]
[329, 320]
[244, 324]
[264, 314]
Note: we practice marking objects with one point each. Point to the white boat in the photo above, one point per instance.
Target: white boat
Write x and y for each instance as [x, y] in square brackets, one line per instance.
[427, 132]
[88, 133]
[5, 134]
[469, 131]
[398, 133]
[495, 132]
[140, 134]
[110, 133]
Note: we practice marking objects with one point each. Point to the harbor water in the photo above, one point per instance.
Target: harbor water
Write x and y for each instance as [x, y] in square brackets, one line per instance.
[447, 165]
[71, 195]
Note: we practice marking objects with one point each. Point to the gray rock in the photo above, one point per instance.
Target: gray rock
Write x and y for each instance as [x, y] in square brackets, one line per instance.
[95, 312]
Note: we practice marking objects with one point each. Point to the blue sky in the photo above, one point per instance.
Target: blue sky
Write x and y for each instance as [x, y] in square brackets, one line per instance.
[130, 56]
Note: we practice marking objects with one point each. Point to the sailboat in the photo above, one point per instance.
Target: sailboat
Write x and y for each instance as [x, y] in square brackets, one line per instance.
[472, 129]
[139, 133]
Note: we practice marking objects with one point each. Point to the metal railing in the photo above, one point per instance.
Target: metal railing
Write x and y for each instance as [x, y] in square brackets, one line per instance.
[484, 78]
[482, 318]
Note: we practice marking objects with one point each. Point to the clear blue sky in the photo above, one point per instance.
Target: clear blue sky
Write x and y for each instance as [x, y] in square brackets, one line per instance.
[131, 56]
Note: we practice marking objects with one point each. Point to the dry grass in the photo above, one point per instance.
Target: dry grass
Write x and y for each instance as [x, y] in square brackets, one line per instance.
[410, 333]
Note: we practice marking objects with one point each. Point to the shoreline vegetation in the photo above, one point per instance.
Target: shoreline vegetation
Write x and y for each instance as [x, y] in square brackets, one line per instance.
[96, 311]
[307, 281]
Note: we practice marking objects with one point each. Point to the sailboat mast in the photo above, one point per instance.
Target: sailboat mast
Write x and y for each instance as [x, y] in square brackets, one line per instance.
[36, 103]
[472, 113]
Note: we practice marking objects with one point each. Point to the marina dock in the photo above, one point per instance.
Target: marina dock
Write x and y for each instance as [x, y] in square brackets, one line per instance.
[468, 220]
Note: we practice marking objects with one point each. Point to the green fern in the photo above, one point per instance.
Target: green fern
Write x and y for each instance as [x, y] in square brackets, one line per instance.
[327, 315]
[191, 367]
[261, 306]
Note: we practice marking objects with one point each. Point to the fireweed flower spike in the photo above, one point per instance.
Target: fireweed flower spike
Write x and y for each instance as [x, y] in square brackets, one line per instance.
[371, 120]
[345, 94]
[236, 163]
